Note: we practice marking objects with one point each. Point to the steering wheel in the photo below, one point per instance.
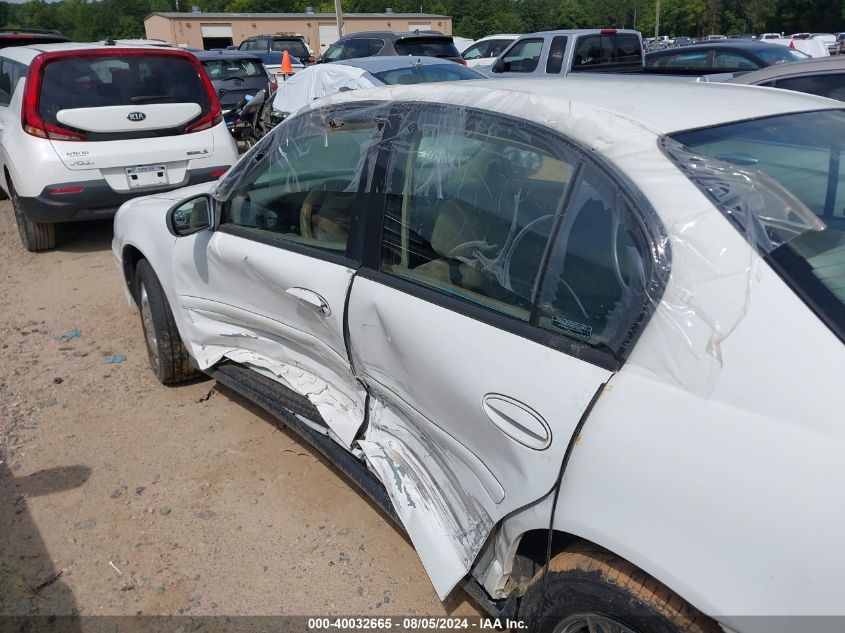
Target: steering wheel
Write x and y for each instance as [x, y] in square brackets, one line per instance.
[315, 198]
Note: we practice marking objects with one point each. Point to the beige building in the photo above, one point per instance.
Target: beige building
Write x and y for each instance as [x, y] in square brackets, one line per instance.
[218, 30]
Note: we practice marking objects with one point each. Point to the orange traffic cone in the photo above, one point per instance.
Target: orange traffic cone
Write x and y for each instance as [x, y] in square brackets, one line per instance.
[286, 69]
[791, 44]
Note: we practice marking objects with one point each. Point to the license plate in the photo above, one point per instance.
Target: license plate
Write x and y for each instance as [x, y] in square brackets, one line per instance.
[146, 176]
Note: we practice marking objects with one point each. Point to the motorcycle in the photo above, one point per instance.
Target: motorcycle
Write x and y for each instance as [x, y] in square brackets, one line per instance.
[244, 120]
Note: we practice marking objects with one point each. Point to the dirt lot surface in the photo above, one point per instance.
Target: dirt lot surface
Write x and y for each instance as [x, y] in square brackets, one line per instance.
[121, 496]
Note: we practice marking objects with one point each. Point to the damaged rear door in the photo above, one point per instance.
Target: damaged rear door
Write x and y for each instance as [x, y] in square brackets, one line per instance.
[505, 288]
[268, 287]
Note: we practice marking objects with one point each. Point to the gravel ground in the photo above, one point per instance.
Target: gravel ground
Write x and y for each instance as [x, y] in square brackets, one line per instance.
[119, 496]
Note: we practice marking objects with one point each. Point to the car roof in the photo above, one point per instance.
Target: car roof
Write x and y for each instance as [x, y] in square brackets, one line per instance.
[381, 63]
[816, 65]
[395, 35]
[579, 32]
[224, 54]
[25, 54]
[596, 108]
[737, 43]
[498, 36]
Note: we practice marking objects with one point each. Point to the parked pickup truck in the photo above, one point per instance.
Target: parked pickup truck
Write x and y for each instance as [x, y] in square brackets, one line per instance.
[559, 53]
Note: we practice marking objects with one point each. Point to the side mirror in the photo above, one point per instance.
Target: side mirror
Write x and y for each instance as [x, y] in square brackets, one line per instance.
[499, 66]
[191, 216]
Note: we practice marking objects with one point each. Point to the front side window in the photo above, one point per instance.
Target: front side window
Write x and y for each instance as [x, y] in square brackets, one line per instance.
[304, 188]
[774, 56]
[781, 181]
[830, 85]
[476, 51]
[333, 52]
[523, 57]
[470, 207]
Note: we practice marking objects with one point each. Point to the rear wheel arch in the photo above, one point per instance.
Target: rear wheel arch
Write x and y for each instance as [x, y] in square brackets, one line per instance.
[582, 577]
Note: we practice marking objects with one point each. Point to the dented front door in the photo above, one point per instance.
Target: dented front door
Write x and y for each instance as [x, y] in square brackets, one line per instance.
[268, 287]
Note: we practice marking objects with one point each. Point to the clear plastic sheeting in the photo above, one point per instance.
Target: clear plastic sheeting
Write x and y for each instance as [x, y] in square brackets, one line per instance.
[318, 81]
[766, 213]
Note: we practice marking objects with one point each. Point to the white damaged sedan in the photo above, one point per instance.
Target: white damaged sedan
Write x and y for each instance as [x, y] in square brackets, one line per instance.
[580, 345]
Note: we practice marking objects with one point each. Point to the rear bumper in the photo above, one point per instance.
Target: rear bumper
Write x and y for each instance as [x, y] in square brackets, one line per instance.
[96, 200]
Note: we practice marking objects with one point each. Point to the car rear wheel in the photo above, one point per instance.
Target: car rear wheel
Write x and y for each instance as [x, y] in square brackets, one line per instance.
[35, 236]
[590, 590]
[169, 359]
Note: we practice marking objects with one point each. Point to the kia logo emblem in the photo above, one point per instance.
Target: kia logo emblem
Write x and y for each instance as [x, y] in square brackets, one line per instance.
[136, 116]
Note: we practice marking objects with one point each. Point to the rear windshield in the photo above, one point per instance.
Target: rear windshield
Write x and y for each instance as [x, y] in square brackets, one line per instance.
[607, 52]
[428, 47]
[223, 69]
[121, 80]
[427, 74]
[777, 56]
[781, 180]
[294, 47]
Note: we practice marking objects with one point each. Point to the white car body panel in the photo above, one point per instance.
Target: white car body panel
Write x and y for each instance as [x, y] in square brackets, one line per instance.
[116, 118]
[229, 312]
[448, 443]
[812, 47]
[704, 461]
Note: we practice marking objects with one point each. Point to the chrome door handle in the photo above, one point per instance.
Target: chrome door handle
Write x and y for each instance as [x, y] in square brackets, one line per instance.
[311, 299]
[518, 421]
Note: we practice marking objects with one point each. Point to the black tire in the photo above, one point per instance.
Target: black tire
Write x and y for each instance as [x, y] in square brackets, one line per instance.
[35, 236]
[588, 588]
[169, 359]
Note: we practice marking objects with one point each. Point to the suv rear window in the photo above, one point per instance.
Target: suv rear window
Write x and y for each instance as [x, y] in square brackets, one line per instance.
[223, 69]
[595, 53]
[102, 81]
[293, 47]
[427, 47]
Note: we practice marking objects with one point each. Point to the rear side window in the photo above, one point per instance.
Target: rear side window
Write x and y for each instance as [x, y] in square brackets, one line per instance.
[426, 74]
[100, 81]
[599, 266]
[682, 60]
[294, 47]
[469, 211]
[427, 47]
[556, 51]
[10, 73]
[607, 52]
[523, 57]
[223, 69]
[831, 85]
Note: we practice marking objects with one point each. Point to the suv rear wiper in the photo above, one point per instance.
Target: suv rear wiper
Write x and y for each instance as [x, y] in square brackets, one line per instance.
[148, 98]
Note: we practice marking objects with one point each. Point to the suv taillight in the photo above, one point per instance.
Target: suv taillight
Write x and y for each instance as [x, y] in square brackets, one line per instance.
[311, 59]
[30, 119]
[215, 112]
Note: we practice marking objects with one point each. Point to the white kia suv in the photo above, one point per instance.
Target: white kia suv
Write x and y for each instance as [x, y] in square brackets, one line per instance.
[86, 127]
